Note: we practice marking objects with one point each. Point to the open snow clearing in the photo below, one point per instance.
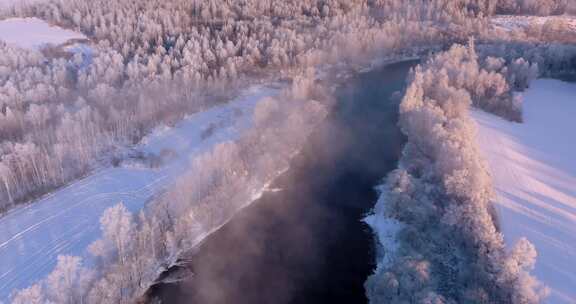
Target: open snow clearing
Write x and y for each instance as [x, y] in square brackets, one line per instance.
[533, 165]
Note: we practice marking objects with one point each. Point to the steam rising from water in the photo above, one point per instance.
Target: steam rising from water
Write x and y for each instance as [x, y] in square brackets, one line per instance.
[306, 243]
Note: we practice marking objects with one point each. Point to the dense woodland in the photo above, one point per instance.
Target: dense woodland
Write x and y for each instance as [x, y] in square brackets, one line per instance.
[535, 7]
[155, 61]
[450, 250]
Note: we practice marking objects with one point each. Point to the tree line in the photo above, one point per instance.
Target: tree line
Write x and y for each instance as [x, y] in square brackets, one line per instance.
[449, 249]
[135, 249]
[154, 61]
[536, 7]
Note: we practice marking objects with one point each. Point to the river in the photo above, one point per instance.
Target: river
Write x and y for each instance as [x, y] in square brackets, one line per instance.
[305, 242]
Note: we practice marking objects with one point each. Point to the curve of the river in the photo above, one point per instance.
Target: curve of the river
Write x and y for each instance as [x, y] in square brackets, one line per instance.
[306, 242]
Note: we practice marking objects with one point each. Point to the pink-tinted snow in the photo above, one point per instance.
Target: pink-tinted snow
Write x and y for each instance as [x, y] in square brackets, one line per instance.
[533, 165]
[32, 33]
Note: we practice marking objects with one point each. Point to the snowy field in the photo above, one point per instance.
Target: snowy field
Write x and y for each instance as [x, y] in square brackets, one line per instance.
[67, 221]
[534, 170]
[510, 23]
[10, 3]
[32, 33]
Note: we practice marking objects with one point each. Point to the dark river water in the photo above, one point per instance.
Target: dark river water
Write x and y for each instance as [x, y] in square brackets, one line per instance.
[306, 243]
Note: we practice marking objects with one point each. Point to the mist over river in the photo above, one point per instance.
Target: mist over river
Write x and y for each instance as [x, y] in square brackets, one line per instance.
[306, 242]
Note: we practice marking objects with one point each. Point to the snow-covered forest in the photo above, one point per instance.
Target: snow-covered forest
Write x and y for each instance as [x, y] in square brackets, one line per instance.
[449, 248]
[135, 249]
[152, 62]
[445, 244]
[535, 7]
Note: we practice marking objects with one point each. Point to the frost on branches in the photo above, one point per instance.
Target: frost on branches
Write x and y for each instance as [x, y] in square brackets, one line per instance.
[155, 61]
[449, 249]
[135, 249]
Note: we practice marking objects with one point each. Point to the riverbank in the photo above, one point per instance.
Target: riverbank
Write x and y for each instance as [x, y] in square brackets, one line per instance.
[66, 221]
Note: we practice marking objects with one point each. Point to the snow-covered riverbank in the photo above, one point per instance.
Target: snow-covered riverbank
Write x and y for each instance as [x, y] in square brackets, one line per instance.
[33, 33]
[67, 221]
[533, 165]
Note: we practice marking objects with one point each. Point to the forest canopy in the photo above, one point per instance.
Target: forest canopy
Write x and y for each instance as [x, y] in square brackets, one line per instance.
[155, 61]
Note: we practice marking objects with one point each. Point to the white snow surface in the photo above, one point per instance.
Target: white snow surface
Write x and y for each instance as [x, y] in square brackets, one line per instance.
[33, 33]
[67, 221]
[386, 230]
[533, 166]
[511, 22]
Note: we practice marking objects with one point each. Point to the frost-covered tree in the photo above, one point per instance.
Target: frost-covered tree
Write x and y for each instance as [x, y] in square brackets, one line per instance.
[30, 295]
[66, 284]
[118, 229]
[534, 7]
[450, 250]
[67, 281]
[155, 61]
[134, 250]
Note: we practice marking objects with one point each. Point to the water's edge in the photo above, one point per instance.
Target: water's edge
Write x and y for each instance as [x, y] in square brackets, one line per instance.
[307, 243]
